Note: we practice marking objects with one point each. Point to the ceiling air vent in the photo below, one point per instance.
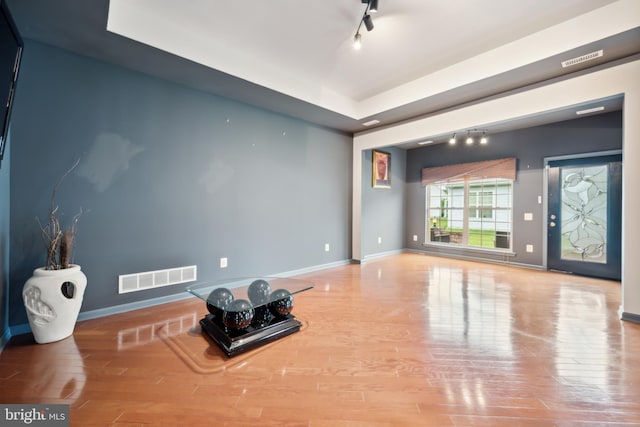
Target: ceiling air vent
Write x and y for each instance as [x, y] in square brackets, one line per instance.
[583, 58]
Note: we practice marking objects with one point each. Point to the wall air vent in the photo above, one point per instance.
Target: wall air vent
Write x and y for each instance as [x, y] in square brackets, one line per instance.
[583, 58]
[155, 279]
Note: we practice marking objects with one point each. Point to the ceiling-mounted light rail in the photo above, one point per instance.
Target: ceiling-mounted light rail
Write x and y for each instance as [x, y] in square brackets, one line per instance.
[469, 140]
[372, 7]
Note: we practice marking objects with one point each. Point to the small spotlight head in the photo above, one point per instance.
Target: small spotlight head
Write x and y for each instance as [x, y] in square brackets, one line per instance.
[368, 22]
[357, 41]
[452, 140]
[469, 139]
[484, 139]
[373, 6]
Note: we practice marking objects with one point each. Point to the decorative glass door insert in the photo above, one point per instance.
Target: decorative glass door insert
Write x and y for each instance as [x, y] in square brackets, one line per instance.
[584, 214]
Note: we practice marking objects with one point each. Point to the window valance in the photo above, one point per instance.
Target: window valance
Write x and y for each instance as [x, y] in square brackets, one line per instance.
[500, 168]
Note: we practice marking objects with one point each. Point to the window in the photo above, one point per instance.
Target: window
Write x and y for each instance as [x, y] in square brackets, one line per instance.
[480, 204]
[468, 209]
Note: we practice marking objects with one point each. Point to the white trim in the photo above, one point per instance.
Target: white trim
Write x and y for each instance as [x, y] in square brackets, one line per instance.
[458, 248]
[545, 210]
[472, 258]
[547, 160]
[384, 254]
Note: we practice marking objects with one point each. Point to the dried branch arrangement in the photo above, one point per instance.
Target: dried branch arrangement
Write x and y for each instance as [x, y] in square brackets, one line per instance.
[58, 241]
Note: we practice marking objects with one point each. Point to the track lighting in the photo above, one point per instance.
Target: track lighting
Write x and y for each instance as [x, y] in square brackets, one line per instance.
[470, 140]
[368, 22]
[372, 7]
[357, 41]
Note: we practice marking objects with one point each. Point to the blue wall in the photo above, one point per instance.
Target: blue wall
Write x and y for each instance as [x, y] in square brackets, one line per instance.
[530, 147]
[168, 177]
[383, 209]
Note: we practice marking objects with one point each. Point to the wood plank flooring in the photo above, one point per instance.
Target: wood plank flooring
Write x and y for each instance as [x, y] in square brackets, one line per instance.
[405, 340]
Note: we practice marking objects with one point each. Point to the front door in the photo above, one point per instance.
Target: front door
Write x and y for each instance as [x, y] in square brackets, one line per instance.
[584, 216]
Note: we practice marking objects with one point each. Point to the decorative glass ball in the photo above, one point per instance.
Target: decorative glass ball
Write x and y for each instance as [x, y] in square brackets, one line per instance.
[262, 316]
[258, 292]
[218, 300]
[238, 314]
[281, 302]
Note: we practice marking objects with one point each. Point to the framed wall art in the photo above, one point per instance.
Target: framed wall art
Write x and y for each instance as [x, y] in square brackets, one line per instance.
[381, 169]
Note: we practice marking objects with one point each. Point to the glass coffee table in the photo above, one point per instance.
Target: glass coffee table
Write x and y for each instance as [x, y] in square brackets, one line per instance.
[246, 313]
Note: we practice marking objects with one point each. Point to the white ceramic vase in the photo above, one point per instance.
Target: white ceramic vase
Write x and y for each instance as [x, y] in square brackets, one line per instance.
[52, 299]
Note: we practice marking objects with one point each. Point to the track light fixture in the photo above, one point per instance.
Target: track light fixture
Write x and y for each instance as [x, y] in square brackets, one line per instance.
[368, 22]
[372, 7]
[469, 140]
[357, 41]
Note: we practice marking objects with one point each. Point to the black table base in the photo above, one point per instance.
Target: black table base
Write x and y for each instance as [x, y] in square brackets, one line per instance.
[234, 342]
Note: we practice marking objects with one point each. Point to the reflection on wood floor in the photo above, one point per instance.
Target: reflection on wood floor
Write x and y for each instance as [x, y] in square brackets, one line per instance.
[404, 340]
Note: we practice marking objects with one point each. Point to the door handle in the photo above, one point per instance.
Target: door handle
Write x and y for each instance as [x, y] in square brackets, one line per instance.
[553, 216]
[552, 224]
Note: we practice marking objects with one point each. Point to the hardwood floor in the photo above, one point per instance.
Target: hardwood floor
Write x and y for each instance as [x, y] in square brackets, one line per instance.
[405, 340]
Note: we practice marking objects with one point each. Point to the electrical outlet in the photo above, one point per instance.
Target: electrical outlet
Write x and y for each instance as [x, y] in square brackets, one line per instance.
[528, 216]
[415, 237]
[529, 248]
[379, 240]
[326, 247]
[223, 262]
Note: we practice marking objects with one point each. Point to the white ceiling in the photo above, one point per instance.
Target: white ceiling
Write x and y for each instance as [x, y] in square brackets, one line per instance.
[296, 56]
[307, 46]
